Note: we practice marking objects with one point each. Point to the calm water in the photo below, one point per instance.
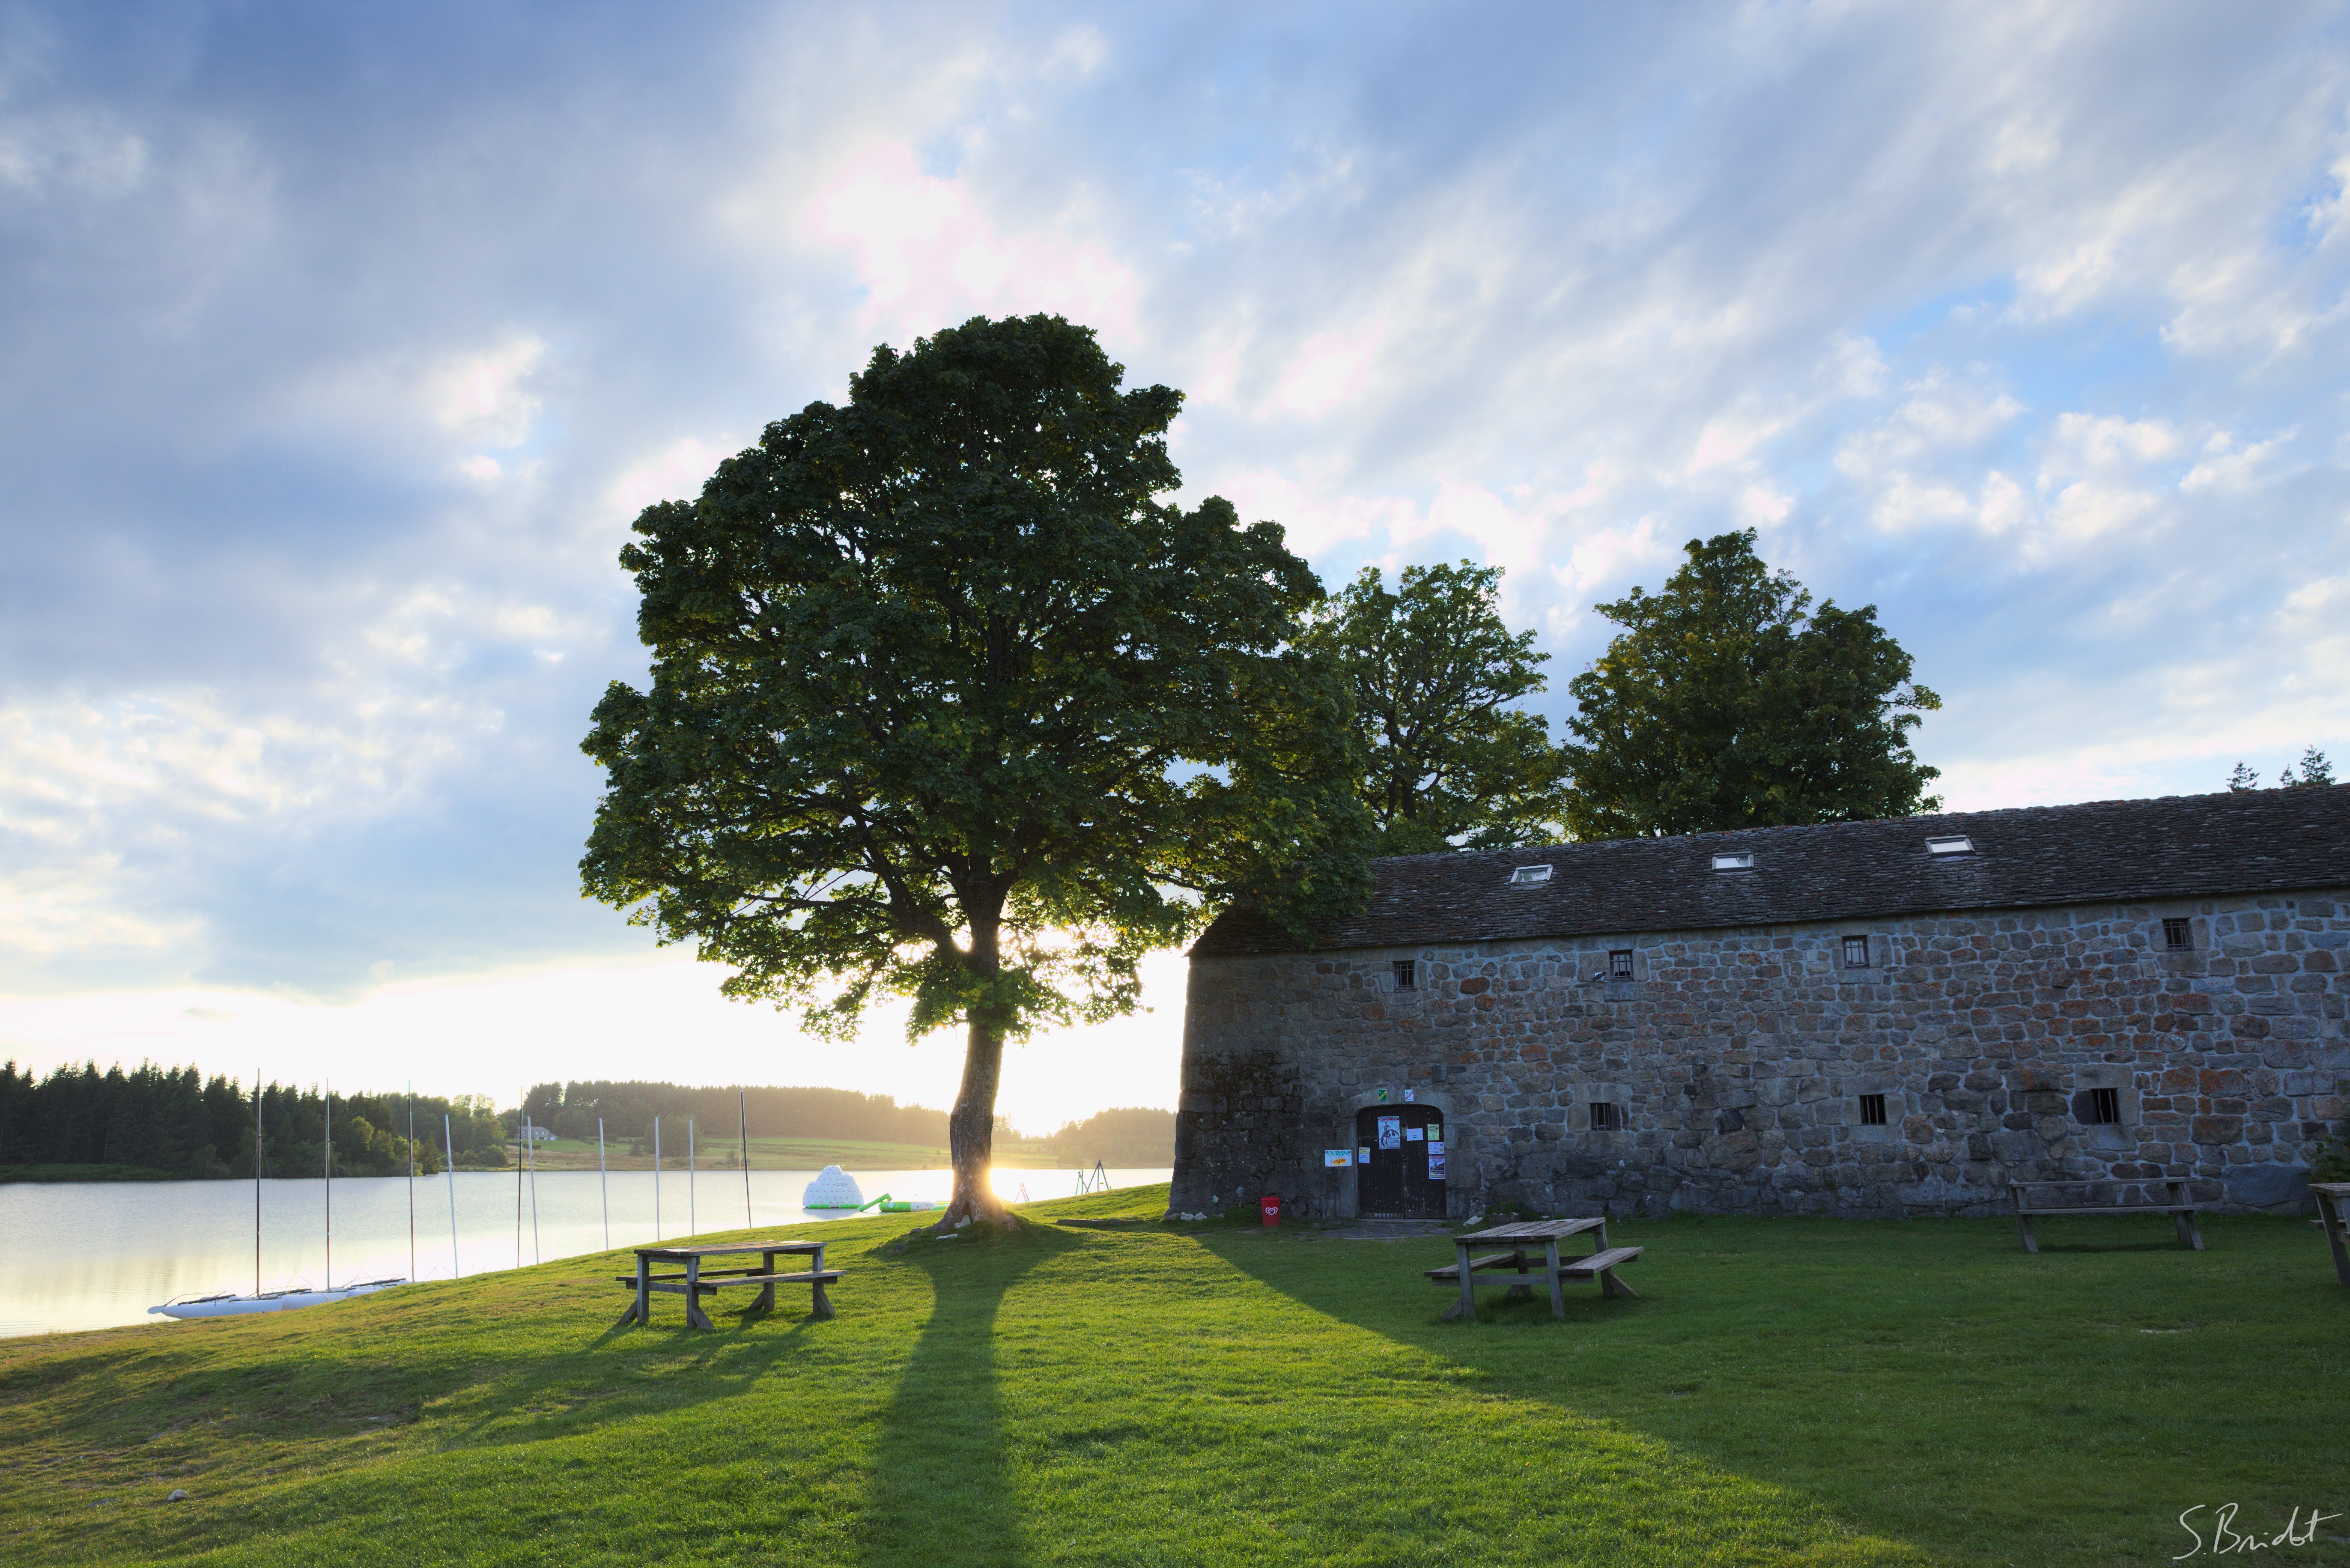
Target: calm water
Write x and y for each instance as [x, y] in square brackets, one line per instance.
[98, 1254]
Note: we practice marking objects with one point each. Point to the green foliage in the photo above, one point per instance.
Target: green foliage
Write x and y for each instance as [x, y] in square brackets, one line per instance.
[1787, 1391]
[2315, 771]
[2330, 1159]
[1728, 703]
[171, 1119]
[1432, 670]
[628, 1110]
[1123, 1137]
[946, 705]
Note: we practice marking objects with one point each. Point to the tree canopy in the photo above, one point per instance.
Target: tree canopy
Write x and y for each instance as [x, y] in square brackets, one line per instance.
[946, 704]
[1727, 701]
[2315, 771]
[1432, 667]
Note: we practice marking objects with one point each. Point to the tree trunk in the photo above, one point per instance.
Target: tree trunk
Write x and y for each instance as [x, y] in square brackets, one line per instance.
[971, 1128]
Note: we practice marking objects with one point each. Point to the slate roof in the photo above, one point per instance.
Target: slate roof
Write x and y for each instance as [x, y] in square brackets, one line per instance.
[2181, 846]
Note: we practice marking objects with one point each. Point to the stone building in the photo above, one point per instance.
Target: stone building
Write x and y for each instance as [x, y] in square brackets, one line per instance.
[1880, 1018]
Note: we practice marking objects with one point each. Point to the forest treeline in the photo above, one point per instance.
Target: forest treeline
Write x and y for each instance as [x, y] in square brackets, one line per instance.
[571, 1110]
[175, 1121]
[1128, 1136]
[1125, 1137]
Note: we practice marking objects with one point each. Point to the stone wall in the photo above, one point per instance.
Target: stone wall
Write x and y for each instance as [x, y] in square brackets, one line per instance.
[1738, 1060]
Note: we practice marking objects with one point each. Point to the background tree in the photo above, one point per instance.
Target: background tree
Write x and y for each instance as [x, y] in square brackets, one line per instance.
[1726, 702]
[945, 705]
[1430, 666]
[2315, 771]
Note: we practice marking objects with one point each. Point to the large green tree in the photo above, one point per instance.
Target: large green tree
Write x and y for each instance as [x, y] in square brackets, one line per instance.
[946, 704]
[1727, 701]
[1432, 670]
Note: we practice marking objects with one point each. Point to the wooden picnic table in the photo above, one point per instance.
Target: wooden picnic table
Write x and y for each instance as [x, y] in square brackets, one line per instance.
[2332, 1200]
[1602, 1261]
[2182, 1213]
[696, 1283]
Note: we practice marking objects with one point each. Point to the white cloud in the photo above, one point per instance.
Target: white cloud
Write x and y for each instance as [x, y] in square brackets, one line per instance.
[484, 395]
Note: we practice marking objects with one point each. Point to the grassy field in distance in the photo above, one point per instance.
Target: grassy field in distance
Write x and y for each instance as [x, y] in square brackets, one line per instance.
[721, 1153]
[1785, 1391]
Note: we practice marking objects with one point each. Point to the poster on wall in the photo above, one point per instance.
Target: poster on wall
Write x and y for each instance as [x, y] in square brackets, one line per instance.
[1391, 1132]
[1363, 1154]
[1436, 1132]
[1337, 1158]
[1435, 1164]
[1414, 1134]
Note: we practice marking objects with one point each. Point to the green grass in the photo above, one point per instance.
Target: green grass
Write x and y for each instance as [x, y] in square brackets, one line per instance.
[1785, 1391]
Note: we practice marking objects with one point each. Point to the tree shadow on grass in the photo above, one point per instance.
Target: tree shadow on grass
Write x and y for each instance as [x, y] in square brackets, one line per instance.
[1868, 1364]
[939, 1493]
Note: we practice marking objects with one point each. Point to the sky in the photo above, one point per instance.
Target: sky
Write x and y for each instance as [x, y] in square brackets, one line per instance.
[339, 347]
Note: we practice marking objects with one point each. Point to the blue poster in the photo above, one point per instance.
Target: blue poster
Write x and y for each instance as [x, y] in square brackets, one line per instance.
[1435, 1163]
[1391, 1132]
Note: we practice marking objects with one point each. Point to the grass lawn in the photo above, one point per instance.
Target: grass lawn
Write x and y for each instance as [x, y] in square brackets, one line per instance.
[1785, 1391]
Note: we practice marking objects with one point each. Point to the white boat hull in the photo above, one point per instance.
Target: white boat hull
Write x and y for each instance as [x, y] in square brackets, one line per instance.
[272, 1301]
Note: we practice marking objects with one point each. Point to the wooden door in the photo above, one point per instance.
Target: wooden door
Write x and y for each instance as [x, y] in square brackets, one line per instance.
[1394, 1180]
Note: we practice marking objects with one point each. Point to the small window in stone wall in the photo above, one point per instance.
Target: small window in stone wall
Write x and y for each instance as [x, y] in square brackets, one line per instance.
[1856, 952]
[1619, 964]
[1872, 1110]
[2177, 935]
[1407, 974]
[1606, 1116]
[2104, 1107]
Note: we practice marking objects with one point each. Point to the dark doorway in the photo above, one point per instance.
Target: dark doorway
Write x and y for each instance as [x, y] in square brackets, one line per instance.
[1392, 1176]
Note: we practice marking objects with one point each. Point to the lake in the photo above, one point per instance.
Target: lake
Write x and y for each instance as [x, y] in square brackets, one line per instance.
[98, 1254]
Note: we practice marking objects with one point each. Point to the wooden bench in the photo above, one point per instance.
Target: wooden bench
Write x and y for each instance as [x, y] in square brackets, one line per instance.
[2182, 1213]
[2333, 1200]
[696, 1282]
[1605, 1265]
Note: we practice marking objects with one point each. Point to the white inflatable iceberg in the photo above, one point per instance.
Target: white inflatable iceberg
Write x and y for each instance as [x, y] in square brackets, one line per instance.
[832, 1188]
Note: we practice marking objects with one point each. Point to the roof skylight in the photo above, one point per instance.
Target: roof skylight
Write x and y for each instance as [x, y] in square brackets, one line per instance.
[1530, 874]
[1735, 860]
[1953, 845]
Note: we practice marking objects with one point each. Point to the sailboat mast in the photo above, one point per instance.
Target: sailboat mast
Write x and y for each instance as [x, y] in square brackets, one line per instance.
[743, 1122]
[449, 1145]
[411, 1181]
[330, 1184]
[656, 1235]
[692, 1226]
[257, 1181]
[519, 1206]
[530, 1152]
[604, 1184]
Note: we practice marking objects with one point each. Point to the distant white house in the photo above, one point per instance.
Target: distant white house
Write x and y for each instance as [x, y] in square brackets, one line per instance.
[539, 1134]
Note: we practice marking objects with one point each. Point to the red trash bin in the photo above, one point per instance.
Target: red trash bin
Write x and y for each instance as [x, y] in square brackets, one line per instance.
[1270, 1207]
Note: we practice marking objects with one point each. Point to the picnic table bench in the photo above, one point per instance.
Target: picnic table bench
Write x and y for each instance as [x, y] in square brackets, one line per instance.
[2332, 1200]
[695, 1281]
[2182, 1213]
[1603, 1261]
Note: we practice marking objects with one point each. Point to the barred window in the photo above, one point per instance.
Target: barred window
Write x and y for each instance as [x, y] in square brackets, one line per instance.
[2105, 1107]
[1605, 1117]
[1619, 964]
[1872, 1110]
[1856, 952]
[2177, 935]
[1407, 974]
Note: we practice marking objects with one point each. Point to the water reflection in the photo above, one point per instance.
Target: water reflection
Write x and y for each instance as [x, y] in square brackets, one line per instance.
[98, 1254]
